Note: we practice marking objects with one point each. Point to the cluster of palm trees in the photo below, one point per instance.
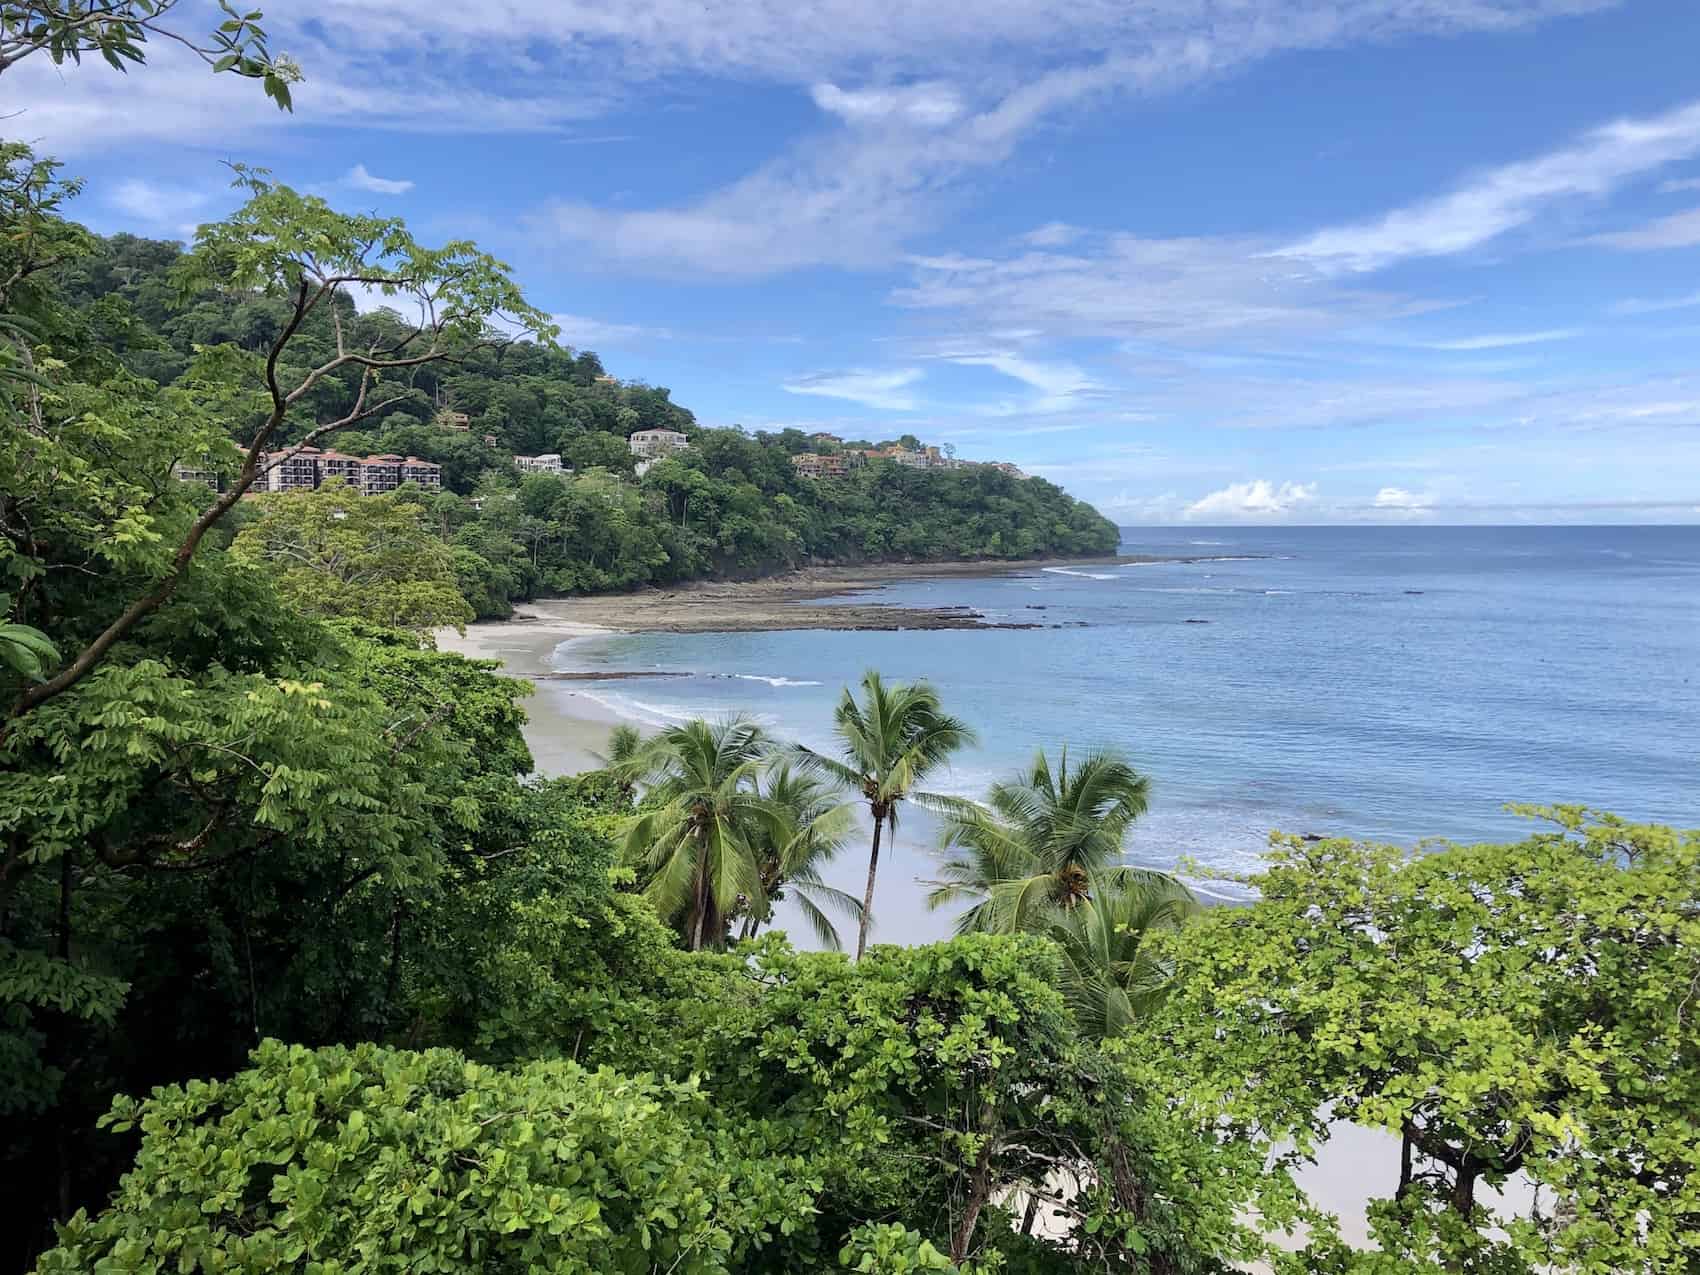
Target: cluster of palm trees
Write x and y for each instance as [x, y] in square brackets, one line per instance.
[732, 822]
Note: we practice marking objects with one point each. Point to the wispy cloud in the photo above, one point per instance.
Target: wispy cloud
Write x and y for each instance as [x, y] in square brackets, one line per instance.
[930, 105]
[1506, 198]
[1057, 385]
[855, 199]
[884, 390]
[1398, 498]
[587, 333]
[1256, 499]
[1677, 185]
[357, 178]
[1679, 230]
[1655, 305]
[157, 203]
[1054, 234]
[1503, 340]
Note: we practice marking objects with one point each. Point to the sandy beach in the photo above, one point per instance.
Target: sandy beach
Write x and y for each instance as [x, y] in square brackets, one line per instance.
[564, 729]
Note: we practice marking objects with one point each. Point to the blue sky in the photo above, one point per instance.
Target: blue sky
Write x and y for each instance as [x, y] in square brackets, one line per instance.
[1195, 260]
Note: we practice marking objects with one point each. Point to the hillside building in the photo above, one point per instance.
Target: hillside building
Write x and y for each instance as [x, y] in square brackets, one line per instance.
[651, 443]
[547, 463]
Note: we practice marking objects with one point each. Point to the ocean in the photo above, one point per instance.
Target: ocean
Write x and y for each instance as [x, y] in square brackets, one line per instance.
[1386, 683]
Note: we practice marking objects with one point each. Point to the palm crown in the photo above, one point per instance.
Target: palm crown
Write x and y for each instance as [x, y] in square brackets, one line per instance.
[1044, 841]
[891, 740]
[700, 845]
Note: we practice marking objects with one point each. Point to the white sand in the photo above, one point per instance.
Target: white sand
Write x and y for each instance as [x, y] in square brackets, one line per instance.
[564, 728]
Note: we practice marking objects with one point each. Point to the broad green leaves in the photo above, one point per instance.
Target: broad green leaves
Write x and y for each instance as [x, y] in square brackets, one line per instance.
[1504, 1009]
[373, 1159]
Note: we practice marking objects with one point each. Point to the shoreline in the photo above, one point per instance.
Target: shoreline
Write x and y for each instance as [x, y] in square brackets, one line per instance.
[564, 729]
[803, 599]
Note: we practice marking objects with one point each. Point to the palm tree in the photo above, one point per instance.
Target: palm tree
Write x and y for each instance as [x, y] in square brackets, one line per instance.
[698, 848]
[1111, 973]
[890, 742]
[1043, 843]
[817, 827]
[625, 745]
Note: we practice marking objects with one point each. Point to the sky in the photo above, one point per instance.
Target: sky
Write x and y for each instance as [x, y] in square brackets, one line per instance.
[1204, 261]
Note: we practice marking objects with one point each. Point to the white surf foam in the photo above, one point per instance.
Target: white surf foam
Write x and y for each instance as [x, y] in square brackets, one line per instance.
[1084, 575]
[774, 681]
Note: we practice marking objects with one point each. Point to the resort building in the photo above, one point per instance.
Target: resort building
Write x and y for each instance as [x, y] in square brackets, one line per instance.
[547, 463]
[809, 465]
[339, 465]
[1004, 467]
[423, 472]
[650, 443]
[379, 474]
[453, 420]
[196, 474]
[908, 459]
[290, 471]
[311, 468]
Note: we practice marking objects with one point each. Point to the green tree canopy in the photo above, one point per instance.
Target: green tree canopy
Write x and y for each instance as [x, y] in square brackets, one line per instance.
[335, 553]
[1499, 1009]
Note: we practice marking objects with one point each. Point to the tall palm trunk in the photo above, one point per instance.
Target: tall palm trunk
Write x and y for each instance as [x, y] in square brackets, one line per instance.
[868, 898]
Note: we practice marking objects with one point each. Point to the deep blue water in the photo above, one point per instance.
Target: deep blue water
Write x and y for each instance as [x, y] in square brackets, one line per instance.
[1391, 683]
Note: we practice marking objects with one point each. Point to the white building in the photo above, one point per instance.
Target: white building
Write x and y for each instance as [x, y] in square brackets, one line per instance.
[547, 463]
[203, 475]
[650, 443]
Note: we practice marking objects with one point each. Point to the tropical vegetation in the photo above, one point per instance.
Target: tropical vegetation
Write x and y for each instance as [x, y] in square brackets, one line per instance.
[303, 969]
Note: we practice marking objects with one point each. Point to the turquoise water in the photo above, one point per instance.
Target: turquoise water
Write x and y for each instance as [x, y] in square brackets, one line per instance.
[1390, 683]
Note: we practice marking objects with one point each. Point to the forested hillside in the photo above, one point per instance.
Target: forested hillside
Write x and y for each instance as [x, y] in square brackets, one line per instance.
[730, 503]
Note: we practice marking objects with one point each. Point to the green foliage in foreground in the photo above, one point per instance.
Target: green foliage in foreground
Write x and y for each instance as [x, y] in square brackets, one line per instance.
[375, 1159]
[1499, 1009]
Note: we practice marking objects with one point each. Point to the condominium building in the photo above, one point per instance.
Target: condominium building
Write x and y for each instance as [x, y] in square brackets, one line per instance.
[547, 463]
[453, 420]
[340, 465]
[650, 443]
[423, 472]
[809, 465]
[196, 474]
[309, 468]
[289, 471]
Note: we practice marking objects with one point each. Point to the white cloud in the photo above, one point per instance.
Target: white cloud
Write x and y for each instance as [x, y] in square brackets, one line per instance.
[1503, 340]
[1054, 234]
[1397, 498]
[156, 203]
[359, 179]
[586, 333]
[1655, 305]
[854, 200]
[1191, 290]
[927, 105]
[884, 390]
[1058, 386]
[1506, 198]
[1679, 230]
[1256, 499]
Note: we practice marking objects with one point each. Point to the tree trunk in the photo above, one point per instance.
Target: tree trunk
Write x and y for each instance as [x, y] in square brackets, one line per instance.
[979, 1191]
[868, 898]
